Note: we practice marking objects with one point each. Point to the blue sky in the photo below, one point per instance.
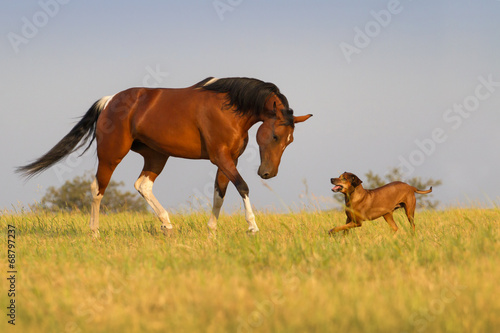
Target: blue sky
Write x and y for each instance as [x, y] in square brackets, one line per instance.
[422, 87]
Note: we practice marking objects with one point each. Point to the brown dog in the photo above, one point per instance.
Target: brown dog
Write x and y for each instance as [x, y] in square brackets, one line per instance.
[365, 205]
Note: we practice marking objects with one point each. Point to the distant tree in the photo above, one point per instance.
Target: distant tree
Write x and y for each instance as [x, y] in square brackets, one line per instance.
[75, 195]
[373, 180]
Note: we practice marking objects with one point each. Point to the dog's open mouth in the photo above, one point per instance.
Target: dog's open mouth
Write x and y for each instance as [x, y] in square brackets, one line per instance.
[337, 188]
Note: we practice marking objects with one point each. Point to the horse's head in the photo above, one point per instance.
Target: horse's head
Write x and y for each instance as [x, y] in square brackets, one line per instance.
[275, 134]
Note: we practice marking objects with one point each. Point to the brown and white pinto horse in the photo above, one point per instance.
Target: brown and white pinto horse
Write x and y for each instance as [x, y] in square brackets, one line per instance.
[209, 120]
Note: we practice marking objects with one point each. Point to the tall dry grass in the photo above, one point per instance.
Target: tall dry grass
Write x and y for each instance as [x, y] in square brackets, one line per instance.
[292, 277]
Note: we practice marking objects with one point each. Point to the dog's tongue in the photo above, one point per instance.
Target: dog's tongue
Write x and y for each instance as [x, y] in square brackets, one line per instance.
[336, 188]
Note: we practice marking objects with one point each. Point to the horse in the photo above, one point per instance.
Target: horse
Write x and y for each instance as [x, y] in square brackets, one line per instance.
[209, 120]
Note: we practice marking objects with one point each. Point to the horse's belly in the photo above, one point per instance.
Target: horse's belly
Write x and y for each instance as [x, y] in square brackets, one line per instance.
[177, 145]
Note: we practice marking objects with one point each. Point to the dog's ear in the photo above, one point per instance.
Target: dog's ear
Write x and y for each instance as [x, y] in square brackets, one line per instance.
[355, 181]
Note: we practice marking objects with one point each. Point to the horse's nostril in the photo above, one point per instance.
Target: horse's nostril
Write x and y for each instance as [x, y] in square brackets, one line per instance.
[265, 175]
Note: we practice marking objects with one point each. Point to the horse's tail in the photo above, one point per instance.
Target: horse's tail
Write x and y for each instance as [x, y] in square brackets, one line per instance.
[83, 131]
[423, 192]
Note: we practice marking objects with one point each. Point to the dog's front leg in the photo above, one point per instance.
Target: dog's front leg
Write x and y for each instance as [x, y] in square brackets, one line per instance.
[348, 225]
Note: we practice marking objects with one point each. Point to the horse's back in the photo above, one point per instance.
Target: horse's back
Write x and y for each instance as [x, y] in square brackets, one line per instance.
[165, 119]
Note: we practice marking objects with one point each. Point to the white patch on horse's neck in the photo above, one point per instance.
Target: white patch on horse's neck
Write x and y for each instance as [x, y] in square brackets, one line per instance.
[287, 141]
[211, 81]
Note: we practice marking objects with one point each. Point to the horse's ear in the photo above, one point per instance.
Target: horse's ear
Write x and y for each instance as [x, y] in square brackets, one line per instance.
[300, 119]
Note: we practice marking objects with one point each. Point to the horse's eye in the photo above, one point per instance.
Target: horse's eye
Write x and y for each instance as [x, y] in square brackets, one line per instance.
[275, 138]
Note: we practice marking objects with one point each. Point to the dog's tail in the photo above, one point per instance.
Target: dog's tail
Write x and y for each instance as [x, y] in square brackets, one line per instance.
[423, 192]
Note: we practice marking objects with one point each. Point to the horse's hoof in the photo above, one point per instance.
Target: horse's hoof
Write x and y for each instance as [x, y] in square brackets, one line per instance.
[252, 232]
[95, 234]
[212, 234]
[168, 232]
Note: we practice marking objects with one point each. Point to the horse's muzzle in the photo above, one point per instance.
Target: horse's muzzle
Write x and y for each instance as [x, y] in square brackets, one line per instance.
[266, 173]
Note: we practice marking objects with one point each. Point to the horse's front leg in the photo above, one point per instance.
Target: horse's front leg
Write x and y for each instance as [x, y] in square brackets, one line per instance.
[228, 166]
[249, 216]
[220, 187]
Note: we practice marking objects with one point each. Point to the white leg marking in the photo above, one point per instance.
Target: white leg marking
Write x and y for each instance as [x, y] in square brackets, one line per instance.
[249, 215]
[218, 201]
[94, 209]
[145, 187]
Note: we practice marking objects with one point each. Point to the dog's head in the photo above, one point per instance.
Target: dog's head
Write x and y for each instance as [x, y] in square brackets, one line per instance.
[346, 183]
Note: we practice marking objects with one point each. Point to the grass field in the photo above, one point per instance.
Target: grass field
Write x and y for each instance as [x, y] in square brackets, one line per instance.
[291, 277]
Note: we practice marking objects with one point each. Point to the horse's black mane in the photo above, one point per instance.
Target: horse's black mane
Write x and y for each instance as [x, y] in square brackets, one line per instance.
[247, 96]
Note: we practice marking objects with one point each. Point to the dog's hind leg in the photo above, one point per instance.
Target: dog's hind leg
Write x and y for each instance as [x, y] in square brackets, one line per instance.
[390, 220]
[410, 212]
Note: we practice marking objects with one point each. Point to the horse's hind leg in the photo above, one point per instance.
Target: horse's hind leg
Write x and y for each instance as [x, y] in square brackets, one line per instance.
[94, 208]
[109, 153]
[98, 187]
[153, 165]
